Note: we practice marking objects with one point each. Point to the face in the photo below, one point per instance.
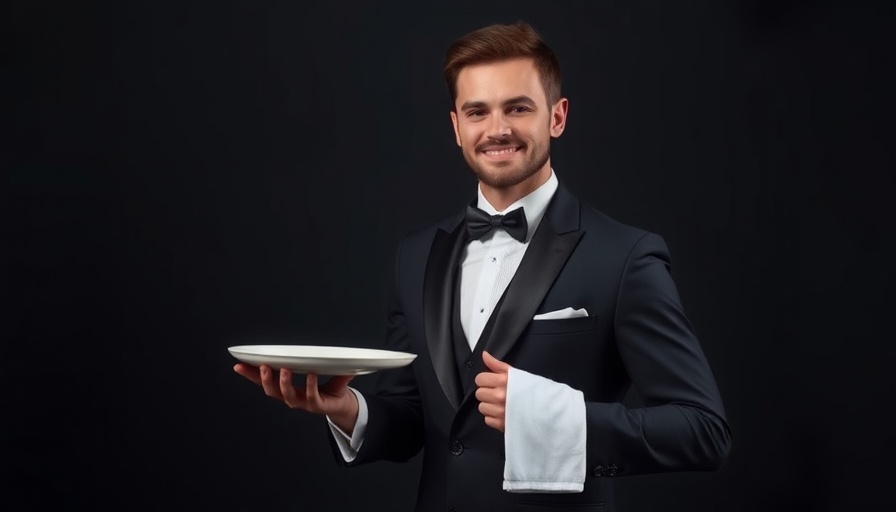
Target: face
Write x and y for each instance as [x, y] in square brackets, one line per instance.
[503, 123]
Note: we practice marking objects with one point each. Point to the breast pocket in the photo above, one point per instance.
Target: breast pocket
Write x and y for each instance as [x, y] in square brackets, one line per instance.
[562, 326]
[574, 351]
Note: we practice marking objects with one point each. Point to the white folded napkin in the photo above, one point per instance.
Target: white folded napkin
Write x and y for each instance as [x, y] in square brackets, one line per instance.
[544, 435]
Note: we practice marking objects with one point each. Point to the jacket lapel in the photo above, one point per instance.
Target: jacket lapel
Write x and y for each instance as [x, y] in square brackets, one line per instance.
[438, 295]
[551, 246]
[552, 243]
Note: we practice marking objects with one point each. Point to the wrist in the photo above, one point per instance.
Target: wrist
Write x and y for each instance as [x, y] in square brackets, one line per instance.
[347, 416]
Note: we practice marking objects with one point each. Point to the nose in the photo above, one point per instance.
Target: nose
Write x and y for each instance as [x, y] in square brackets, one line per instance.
[499, 128]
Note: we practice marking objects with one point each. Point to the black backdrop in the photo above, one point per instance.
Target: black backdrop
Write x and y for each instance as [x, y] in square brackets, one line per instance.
[179, 177]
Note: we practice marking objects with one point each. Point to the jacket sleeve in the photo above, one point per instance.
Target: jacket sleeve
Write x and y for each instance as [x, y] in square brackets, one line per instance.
[395, 417]
[682, 425]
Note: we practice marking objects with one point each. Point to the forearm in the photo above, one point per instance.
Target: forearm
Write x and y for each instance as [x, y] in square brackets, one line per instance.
[394, 429]
[669, 437]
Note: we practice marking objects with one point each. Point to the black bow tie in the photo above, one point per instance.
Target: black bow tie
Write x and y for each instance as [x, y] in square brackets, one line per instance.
[479, 223]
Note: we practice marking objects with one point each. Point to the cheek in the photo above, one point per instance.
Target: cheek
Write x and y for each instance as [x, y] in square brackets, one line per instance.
[466, 136]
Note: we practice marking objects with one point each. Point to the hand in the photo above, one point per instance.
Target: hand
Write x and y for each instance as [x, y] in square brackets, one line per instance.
[333, 399]
[492, 392]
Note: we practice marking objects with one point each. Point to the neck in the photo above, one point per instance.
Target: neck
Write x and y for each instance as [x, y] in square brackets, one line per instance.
[502, 197]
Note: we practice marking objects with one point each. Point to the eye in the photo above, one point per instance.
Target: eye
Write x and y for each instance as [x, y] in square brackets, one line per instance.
[476, 113]
[520, 109]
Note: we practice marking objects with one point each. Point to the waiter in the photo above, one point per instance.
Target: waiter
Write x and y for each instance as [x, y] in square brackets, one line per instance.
[532, 315]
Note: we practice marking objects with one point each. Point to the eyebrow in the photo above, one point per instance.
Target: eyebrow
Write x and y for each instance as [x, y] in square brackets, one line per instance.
[512, 101]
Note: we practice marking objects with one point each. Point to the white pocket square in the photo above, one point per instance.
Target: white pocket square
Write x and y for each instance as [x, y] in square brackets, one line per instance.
[561, 313]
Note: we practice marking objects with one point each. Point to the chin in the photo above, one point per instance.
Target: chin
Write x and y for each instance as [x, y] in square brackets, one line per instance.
[502, 179]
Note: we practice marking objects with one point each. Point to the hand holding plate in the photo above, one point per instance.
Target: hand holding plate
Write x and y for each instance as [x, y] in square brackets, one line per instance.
[333, 398]
[272, 367]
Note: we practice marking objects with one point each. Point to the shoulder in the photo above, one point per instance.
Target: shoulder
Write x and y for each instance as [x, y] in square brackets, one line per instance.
[609, 232]
[426, 232]
[419, 239]
[594, 219]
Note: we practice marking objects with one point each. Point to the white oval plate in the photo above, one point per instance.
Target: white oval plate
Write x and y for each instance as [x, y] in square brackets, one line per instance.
[323, 360]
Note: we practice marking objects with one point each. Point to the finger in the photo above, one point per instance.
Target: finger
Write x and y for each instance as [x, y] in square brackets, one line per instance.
[290, 393]
[491, 380]
[495, 423]
[492, 395]
[491, 411]
[312, 394]
[248, 371]
[493, 364]
[486, 395]
[271, 387]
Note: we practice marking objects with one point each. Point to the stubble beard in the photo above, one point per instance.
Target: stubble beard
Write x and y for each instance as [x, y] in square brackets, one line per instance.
[508, 175]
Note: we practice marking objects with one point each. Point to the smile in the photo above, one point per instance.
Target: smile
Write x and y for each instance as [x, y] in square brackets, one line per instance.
[496, 152]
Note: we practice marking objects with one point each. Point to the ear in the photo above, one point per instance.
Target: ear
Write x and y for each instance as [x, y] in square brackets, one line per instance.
[558, 117]
[454, 122]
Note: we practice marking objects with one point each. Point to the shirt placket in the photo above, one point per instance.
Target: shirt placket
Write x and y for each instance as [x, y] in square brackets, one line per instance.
[488, 279]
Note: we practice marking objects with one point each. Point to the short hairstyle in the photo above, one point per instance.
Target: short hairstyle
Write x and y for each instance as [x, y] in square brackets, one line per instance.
[503, 42]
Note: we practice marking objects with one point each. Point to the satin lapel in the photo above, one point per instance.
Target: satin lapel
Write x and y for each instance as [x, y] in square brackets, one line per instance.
[551, 245]
[438, 294]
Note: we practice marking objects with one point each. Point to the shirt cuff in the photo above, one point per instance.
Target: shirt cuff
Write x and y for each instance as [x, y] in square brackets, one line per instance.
[349, 445]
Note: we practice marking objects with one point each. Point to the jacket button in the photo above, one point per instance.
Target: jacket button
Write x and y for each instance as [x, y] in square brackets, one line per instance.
[469, 365]
[598, 471]
[456, 447]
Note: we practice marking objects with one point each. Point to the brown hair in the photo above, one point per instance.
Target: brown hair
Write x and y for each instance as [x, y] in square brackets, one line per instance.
[502, 42]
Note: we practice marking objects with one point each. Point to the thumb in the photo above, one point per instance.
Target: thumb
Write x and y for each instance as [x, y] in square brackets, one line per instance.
[494, 364]
[337, 382]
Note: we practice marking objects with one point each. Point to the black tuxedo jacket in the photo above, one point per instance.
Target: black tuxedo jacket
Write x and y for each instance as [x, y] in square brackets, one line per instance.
[637, 335]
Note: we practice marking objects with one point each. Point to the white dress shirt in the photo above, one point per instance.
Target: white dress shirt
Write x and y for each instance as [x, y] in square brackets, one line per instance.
[487, 266]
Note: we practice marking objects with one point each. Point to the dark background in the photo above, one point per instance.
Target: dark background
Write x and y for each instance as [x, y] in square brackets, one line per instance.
[180, 177]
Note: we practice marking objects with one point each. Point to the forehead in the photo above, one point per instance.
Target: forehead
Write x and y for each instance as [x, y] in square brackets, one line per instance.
[494, 82]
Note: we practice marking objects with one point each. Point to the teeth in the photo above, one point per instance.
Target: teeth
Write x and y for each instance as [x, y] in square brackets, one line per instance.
[500, 151]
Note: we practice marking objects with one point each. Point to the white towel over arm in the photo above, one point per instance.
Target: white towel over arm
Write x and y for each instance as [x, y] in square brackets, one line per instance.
[544, 435]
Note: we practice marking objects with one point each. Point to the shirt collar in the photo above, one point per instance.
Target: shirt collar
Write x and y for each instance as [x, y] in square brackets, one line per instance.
[534, 204]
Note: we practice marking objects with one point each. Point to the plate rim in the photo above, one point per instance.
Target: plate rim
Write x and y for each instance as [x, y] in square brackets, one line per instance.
[387, 354]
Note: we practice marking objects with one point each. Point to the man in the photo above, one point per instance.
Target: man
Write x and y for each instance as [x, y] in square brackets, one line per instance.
[531, 314]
